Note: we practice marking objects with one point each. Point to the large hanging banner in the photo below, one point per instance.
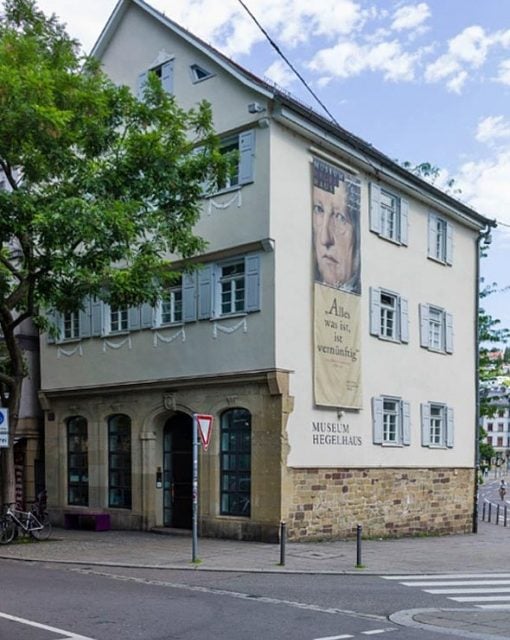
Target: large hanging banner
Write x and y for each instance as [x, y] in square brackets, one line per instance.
[337, 288]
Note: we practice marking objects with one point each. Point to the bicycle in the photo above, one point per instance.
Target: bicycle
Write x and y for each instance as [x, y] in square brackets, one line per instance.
[34, 522]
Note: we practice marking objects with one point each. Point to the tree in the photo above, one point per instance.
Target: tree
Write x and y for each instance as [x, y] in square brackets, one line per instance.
[101, 188]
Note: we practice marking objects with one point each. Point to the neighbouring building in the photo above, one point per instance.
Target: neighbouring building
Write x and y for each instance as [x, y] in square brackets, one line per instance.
[497, 425]
[330, 332]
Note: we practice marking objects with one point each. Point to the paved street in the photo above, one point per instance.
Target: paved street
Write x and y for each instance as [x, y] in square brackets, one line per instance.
[125, 584]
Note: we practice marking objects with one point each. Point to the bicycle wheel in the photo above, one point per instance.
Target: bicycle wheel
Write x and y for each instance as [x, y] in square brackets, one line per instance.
[45, 532]
[7, 530]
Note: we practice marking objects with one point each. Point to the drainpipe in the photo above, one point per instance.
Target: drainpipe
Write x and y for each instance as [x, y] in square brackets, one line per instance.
[485, 236]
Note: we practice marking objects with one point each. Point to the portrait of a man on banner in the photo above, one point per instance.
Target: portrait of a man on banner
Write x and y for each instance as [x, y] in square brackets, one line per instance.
[336, 228]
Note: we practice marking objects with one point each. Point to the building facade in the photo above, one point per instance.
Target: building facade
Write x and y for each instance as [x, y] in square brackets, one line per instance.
[330, 331]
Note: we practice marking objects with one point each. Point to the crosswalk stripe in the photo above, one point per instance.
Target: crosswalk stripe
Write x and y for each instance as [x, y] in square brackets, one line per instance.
[475, 590]
[450, 576]
[493, 606]
[481, 599]
[457, 583]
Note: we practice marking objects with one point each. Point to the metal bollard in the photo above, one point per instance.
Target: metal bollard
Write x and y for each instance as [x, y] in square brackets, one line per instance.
[490, 509]
[483, 511]
[359, 530]
[497, 514]
[283, 541]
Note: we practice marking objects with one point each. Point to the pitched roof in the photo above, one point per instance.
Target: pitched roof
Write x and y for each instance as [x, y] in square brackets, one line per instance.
[367, 154]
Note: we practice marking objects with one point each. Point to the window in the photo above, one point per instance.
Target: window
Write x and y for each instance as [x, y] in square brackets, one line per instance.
[489, 426]
[229, 287]
[436, 329]
[170, 307]
[388, 214]
[118, 319]
[391, 421]
[489, 440]
[501, 413]
[164, 71]
[501, 426]
[77, 462]
[119, 462]
[440, 240]
[235, 452]
[70, 325]
[500, 442]
[437, 425]
[389, 318]
[198, 73]
[242, 144]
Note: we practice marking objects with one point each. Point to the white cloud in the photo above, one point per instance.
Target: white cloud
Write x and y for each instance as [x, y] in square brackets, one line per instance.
[456, 83]
[348, 59]
[410, 16]
[504, 72]
[486, 187]
[493, 129]
[280, 73]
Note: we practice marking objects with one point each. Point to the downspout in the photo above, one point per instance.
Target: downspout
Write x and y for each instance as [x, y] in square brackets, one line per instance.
[483, 235]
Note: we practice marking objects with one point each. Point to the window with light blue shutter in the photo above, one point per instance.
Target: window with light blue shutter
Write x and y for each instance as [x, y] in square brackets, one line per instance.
[406, 423]
[53, 321]
[147, 313]
[189, 297]
[375, 311]
[448, 332]
[404, 221]
[205, 286]
[167, 76]
[449, 244]
[375, 207]
[141, 84]
[252, 271]
[404, 320]
[424, 325]
[377, 420]
[97, 313]
[246, 156]
[432, 236]
[425, 424]
[449, 427]
[134, 318]
[85, 319]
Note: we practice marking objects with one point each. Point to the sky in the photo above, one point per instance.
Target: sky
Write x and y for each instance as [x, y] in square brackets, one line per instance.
[420, 81]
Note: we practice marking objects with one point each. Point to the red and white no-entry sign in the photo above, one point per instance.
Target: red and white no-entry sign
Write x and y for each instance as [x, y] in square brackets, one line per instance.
[204, 423]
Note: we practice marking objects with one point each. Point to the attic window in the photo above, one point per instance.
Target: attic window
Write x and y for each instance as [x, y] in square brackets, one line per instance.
[199, 73]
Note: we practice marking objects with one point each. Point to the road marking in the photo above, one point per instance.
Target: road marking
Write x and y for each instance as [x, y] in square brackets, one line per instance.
[457, 583]
[67, 634]
[449, 576]
[376, 631]
[344, 637]
[233, 594]
[475, 590]
[482, 599]
[493, 606]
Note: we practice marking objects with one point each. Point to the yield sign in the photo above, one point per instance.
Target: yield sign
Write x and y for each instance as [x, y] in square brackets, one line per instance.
[204, 422]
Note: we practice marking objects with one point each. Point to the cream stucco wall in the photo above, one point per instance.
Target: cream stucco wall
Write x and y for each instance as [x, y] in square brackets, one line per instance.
[405, 370]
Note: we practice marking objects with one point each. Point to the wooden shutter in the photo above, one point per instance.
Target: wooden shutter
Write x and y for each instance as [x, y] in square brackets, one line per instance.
[425, 425]
[449, 243]
[147, 313]
[404, 319]
[252, 275]
[448, 332]
[205, 298]
[85, 319]
[375, 311]
[134, 318]
[404, 221]
[246, 156]
[167, 76]
[375, 207]
[424, 325]
[189, 297]
[97, 312]
[406, 423]
[140, 87]
[377, 420]
[432, 237]
[449, 427]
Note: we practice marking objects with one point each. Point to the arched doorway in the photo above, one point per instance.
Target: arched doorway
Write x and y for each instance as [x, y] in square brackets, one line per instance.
[178, 471]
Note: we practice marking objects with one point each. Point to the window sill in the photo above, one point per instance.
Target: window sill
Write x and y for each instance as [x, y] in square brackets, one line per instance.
[239, 314]
[68, 341]
[393, 445]
[441, 261]
[394, 241]
[236, 187]
[169, 325]
[234, 517]
[115, 334]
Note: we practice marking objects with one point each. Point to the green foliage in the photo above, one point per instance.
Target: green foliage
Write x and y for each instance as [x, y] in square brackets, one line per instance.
[103, 190]
[486, 450]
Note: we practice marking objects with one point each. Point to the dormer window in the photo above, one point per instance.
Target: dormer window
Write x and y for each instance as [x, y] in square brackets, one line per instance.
[165, 73]
[198, 73]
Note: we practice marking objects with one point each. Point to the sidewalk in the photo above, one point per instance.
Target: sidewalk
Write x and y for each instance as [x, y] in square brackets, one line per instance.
[485, 552]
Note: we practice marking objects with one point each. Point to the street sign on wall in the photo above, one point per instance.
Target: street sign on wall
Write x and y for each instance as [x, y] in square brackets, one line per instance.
[4, 440]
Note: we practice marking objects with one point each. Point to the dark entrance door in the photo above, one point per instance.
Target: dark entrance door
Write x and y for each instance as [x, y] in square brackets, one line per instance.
[177, 471]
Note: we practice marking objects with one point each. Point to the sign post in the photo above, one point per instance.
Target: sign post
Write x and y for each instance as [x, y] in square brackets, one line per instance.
[201, 423]
[4, 428]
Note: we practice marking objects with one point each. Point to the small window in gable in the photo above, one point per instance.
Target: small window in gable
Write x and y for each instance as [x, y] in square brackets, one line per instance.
[198, 73]
[163, 71]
